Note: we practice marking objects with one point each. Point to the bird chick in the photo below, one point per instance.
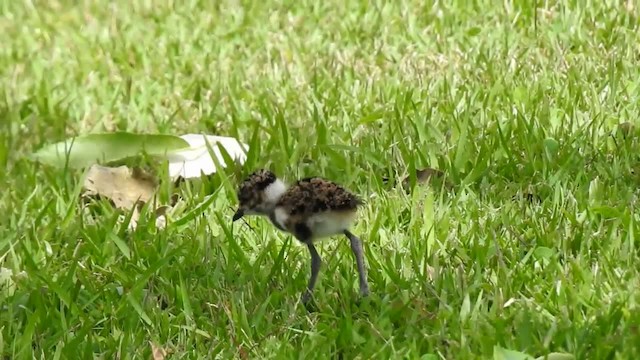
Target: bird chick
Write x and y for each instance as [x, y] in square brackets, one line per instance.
[310, 209]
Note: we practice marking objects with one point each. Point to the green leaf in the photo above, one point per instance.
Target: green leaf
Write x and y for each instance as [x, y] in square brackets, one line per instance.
[607, 212]
[543, 252]
[372, 117]
[186, 303]
[466, 308]
[556, 356]
[429, 357]
[473, 31]
[520, 94]
[197, 210]
[85, 150]
[551, 145]
[138, 308]
[500, 353]
[124, 248]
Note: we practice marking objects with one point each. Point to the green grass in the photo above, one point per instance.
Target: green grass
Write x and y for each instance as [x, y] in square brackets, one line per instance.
[506, 98]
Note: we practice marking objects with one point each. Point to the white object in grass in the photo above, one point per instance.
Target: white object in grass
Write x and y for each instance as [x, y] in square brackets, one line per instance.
[196, 160]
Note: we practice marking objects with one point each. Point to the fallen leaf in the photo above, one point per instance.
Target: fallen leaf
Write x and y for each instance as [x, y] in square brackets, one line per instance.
[626, 129]
[529, 197]
[7, 286]
[431, 272]
[157, 352]
[105, 147]
[556, 356]
[424, 176]
[122, 185]
[196, 160]
[551, 146]
[128, 190]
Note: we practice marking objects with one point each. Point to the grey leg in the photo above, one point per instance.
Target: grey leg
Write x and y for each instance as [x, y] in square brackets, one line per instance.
[356, 247]
[316, 262]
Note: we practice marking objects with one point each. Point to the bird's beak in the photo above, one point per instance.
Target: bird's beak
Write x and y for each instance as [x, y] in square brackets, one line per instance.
[238, 215]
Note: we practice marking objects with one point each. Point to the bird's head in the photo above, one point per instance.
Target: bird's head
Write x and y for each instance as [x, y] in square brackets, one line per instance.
[258, 194]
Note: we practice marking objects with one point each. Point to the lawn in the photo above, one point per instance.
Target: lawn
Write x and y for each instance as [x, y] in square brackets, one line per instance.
[533, 248]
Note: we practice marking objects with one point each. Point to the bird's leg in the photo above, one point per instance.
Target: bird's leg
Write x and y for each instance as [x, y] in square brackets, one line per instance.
[316, 262]
[356, 247]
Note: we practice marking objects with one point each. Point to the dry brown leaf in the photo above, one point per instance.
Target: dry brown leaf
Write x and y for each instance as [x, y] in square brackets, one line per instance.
[530, 197]
[424, 176]
[128, 189]
[629, 5]
[431, 272]
[157, 352]
[627, 129]
[124, 186]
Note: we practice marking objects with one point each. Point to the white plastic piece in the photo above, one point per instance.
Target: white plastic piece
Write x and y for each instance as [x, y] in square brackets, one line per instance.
[190, 163]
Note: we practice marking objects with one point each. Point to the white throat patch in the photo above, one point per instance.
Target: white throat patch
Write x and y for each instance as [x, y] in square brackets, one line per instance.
[274, 191]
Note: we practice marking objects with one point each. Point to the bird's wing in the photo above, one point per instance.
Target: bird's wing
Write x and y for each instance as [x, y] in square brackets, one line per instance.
[316, 195]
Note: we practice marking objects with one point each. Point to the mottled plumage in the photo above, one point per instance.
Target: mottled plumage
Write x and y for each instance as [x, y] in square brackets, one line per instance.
[310, 209]
[314, 208]
[315, 195]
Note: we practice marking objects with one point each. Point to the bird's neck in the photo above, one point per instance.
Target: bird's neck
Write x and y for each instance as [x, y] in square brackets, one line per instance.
[272, 194]
[274, 191]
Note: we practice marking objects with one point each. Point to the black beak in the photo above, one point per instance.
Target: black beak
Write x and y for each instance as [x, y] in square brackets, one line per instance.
[238, 215]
